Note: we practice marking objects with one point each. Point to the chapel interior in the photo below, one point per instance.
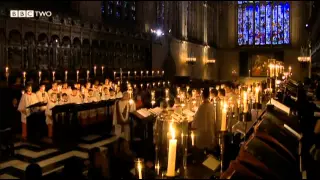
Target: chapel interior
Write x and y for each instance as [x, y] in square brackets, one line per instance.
[159, 89]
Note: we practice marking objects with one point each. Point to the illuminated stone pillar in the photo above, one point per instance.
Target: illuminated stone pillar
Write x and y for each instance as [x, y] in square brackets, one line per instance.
[184, 19]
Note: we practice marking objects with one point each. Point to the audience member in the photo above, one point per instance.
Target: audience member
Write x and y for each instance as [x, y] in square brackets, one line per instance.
[33, 172]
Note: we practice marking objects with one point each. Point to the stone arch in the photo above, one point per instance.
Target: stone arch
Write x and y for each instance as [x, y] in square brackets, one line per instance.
[14, 37]
[43, 38]
[76, 42]
[29, 38]
[55, 39]
[66, 41]
[103, 44]
[86, 43]
[95, 44]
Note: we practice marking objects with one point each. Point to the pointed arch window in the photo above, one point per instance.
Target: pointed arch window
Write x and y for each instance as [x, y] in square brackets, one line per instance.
[263, 23]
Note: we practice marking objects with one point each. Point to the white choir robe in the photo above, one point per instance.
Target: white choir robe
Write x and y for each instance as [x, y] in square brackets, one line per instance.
[42, 97]
[75, 99]
[52, 91]
[26, 101]
[63, 102]
[105, 97]
[125, 133]
[68, 91]
[119, 95]
[48, 112]
[204, 122]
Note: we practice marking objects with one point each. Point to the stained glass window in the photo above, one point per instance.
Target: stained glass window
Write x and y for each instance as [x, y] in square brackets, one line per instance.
[133, 10]
[263, 23]
[110, 7]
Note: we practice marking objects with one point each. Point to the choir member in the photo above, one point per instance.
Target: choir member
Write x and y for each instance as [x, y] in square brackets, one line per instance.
[112, 94]
[204, 124]
[64, 99]
[91, 97]
[118, 92]
[54, 88]
[86, 89]
[50, 105]
[229, 93]
[139, 103]
[42, 95]
[221, 94]
[75, 97]
[213, 94]
[107, 84]
[105, 94]
[27, 99]
[66, 89]
[121, 111]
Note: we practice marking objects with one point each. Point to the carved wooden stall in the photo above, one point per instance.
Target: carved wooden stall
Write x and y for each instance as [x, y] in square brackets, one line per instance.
[61, 43]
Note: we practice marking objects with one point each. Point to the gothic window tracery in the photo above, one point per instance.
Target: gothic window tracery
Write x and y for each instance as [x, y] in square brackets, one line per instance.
[263, 23]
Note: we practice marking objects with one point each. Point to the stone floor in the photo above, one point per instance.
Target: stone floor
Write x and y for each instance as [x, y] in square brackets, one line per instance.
[50, 159]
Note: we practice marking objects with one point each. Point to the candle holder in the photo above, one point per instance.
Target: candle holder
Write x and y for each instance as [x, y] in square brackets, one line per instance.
[224, 139]
[139, 168]
[171, 135]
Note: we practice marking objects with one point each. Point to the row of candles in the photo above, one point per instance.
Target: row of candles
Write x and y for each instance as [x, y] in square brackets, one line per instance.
[141, 73]
[88, 73]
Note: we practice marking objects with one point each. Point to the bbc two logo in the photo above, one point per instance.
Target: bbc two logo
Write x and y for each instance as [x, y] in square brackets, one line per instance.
[29, 13]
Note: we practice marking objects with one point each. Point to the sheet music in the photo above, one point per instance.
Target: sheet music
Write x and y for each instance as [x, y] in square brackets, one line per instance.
[144, 112]
[156, 110]
[211, 163]
[280, 106]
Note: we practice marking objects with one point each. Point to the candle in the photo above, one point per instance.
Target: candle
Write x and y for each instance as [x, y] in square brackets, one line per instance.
[153, 84]
[114, 74]
[159, 83]
[118, 83]
[128, 73]
[289, 69]
[147, 85]
[188, 89]
[141, 85]
[257, 94]
[192, 138]
[77, 75]
[95, 70]
[158, 72]
[53, 75]
[88, 73]
[152, 73]
[66, 75]
[164, 83]
[39, 77]
[245, 102]
[147, 73]
[249, 73]
[162, 73]
[7, 73]
[224, 118]
[24, 74]
[139, 167]
[172, 154]
[178, 90]
[157, 167]
[167, 92]
[135, 73]
[102, 69]
[141, 73]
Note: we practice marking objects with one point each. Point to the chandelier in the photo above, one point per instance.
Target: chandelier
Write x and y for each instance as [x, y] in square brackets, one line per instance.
[304, 55]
